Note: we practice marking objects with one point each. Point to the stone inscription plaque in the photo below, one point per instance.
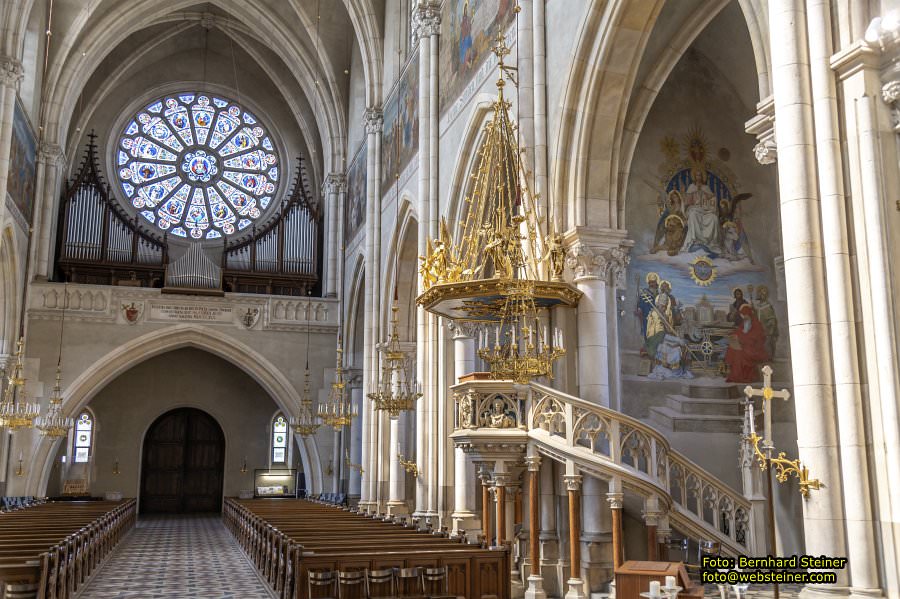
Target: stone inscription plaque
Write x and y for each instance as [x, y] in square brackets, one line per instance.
[191, 313]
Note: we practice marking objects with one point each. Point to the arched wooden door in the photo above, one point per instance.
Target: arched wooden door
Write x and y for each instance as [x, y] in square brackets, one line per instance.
[183, 464]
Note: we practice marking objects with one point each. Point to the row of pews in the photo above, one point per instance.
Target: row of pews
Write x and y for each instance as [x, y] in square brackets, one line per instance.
[288, 540]
[48, 550]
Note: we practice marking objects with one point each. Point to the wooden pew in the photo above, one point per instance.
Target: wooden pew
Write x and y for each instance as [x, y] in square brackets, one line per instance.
[288, 539]
[48, 550]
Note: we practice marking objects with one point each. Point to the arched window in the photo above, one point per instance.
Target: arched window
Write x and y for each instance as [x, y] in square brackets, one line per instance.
[197, 165]
[280, 440]
[84, 437]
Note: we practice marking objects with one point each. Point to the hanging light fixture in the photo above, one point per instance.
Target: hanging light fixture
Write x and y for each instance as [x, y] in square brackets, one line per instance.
[337, 412]
[306, 423]
[397, 389]
[54, 423]
[496, 270]
[16, 412]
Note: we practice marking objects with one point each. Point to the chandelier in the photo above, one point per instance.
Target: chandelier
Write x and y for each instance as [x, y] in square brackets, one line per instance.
[397, 390]
[305, 424]
[15, 410]
[504, 264]
[337, 412]
[521, 350]
[54, 424]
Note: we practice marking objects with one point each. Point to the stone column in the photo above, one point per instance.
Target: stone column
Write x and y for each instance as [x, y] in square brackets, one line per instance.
[355, 443]
[548, 534]
[805, 268]
[334, 184]
[463, 348]
[590, 255]
[11, 74]
[595, 536]
[50, 168]
[615, 500]
[500, 481]
[652, 514]
[373, 125]
[535, 580]
[462, 505]
[576, 584]
[397, 476]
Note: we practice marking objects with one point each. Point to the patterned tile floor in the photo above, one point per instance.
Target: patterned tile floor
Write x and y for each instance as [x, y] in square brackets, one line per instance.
[177, 557]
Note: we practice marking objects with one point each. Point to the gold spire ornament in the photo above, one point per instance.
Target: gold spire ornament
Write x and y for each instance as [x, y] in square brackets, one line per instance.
[397, 390]
[505, 262]
[16, 412]
[54, 424]
[337, 412]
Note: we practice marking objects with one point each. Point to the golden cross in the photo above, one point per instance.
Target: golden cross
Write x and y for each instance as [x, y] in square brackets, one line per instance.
[767, 393]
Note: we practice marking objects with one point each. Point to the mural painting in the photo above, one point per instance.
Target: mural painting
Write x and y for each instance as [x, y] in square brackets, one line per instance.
[703, 294]
[469, 28]
[355, 210]
[23, 151]
[401, 126]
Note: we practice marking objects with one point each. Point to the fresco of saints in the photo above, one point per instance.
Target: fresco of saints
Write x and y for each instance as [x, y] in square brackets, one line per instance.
[746, 348]
[702, 215]
[767, 317]
[734, 314]
[646, 301]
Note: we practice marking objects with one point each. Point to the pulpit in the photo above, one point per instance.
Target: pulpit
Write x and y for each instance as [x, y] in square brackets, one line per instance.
[633, 578]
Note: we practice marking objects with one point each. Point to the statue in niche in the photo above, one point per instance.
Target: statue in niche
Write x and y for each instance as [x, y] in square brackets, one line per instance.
[499, 417]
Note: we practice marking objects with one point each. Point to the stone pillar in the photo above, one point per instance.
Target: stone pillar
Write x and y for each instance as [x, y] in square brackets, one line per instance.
[576, 584]
[334, 184]
[615, 500]
[590, 256]
[355, 444]
[463, 348]
[397, 476]
[596, 542]
[805, 268]
[463, 509]
[663, 536]
[336, 462]
[50, 168]
[548, 534]
[501, 479]
[11, 74]
[535, 588]
[652, 514]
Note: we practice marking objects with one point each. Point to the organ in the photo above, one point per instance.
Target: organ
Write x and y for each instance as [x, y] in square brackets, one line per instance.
[100, 243]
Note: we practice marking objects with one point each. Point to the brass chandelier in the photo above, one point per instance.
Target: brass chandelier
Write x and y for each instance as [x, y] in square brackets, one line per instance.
[504, 264]
[54, 423]
[397, 391]
[305, 423]
[337, 412]
[16, 412]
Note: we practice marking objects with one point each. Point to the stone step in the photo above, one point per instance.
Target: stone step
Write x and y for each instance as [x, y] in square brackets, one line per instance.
[674, 421]
[719, 391]
[713, 407]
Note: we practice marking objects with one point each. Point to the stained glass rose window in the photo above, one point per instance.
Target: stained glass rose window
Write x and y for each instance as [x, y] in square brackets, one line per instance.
[197, 165]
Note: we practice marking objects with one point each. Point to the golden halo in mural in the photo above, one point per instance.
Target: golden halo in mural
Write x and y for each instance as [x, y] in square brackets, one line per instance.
[702, 271]
[652, 276]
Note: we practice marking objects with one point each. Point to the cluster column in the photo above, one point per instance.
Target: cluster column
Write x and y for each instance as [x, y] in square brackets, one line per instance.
[334, 187]
[355, 437]
[11, 74]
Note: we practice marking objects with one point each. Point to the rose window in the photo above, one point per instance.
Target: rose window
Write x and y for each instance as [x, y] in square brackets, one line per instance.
[197, 165]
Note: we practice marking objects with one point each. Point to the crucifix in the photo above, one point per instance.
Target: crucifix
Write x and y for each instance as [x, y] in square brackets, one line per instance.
[784, 466]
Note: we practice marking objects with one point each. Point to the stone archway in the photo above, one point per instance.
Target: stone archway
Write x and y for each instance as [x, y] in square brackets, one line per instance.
[129, 354]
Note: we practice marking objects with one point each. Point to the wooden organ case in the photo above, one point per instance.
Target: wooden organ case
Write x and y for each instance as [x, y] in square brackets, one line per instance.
[99, 243]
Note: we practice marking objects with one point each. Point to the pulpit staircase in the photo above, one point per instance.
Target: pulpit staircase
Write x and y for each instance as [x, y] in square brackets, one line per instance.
[609, 445]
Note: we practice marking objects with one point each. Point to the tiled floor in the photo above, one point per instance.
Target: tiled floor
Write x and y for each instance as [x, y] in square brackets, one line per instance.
[175, 557]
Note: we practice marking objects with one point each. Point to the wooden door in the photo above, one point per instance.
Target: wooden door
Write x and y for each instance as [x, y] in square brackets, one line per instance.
[183, 464]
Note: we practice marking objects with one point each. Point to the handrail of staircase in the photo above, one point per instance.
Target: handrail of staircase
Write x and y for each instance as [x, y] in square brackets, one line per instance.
[620, 444]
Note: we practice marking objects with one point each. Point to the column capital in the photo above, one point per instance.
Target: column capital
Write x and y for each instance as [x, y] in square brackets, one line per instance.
[373, 120]
[616, 500]
[426, 20]
[533, 462]
[51, 153]
[572, 482]
[335, 183]
[462, 329]
[11, 71]
[890, 93]
[651, 518]
[763, 127]
[502, 479]
[598, 255]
